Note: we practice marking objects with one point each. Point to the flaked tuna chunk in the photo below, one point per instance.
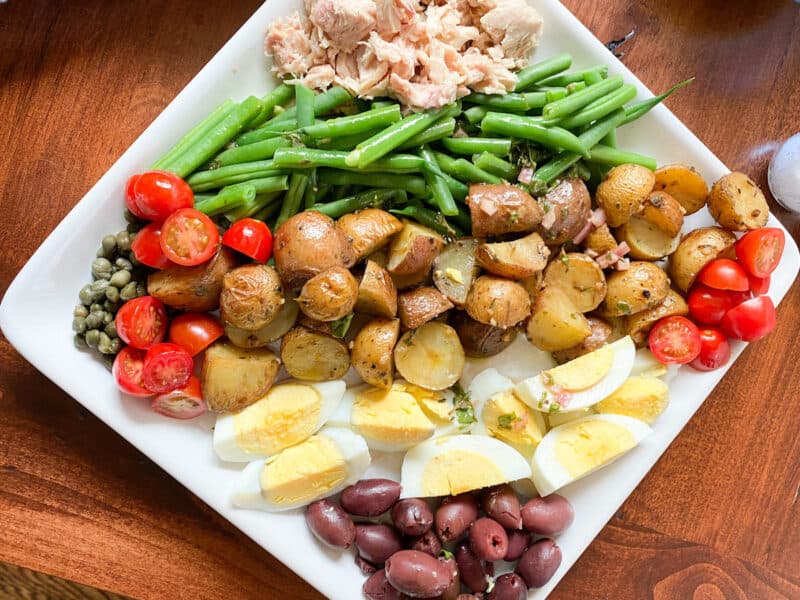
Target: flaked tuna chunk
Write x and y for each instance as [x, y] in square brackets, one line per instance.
[399, 55]
[345, 22]
[515, 25]
[393, 14]
[486, 75]
[319, 77]
[373, 72]
[422, 95]
[288, 42]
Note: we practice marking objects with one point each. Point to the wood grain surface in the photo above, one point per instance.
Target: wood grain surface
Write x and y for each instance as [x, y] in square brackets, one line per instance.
[718, 517]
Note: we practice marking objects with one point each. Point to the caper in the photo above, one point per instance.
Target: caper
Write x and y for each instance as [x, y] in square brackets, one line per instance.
[79, 324]
[85, 295]
[80, 311]
[128, 292]
[107, 318]
[101, 268]
[116, 345]
[123, 241]
[111, 329]
[109, 244]
[92, 338]
[123, 263]
[100, 252]
[79, 341]
[94, 320]
[96, 307]
[141, 288]
[112, 293]
[111, 307]
[120, 279]
[135, 262]
[104, 345]
[100, 286]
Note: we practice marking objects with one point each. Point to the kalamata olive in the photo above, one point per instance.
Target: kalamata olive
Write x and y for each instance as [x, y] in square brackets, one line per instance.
[418, 574]
[469, 597]
[509, 587]
[518, 541]
[454, 516]
[538, 563]
[367, 568]
[454, 589]
[377, 587]
[330, 524]
[427, 542]
[412, 516]
[474, 572]
[547, 516]
[488, 539]
[376, 543]
[370, 497]
[502, 504]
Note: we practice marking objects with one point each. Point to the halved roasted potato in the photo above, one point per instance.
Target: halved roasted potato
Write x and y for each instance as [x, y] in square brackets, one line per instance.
[737, 203]
[498, 209]
[579, 277]
[646, 240]
[420, 305]
[639, 324]
[600, 240]
[329, 295]
[643, 285]
[373, 351]
[663, 211]
[498, 302]
[413, 250]
[368, 230]
[601, 332]
[314, 355]
[233, 378]
[567, 207]
[684, 184]
[556, 324]
[455, 269]
[430, 356]
[516, 259]
[479, 339]
[697, 248]
[377, 294]
[283, 322]
[251, 296]
[623, 191]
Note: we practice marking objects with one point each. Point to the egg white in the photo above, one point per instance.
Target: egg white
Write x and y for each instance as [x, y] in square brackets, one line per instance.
[520, 360]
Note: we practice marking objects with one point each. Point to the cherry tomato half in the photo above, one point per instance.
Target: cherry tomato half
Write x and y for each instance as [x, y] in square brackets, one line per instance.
[142, 322]
[166, 367]
[184, 403]
[759, 251]
[724, 274]
[195, 331]
[715, 351]
[759, 285]
[127, 371]
[251, 237]
[146, 247]
[708, 305]
[751, 320]
[158, 194]
[130, 197]
[675, 340]
[188, 237]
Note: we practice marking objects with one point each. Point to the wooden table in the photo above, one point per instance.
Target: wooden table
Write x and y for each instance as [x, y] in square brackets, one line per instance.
[717, 517]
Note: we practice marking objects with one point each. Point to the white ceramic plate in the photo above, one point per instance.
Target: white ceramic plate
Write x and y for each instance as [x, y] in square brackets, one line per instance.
[38, 306]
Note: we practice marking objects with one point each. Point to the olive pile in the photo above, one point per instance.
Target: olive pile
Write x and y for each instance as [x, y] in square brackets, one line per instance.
[116, 278]
[407, 555]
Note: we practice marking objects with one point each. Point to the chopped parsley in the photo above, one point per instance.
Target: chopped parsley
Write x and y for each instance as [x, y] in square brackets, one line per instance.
[465, 413]
[506, 421]
[624, 307]
[554, 407]
[340, 326]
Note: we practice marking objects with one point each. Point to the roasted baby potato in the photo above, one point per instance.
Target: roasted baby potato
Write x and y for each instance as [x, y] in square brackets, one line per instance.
[283, 322]
[307, 244]
[516, 259]
[413, 250]
[251, 296]
[567, 208]
[478, 339]
[684, 184]
[497, 302]
[194, 289]
[695, 251]
[555, 323]
[737, 203]
[497, 209]
[663, 211]
[233, 378]
[377, 294]
[455, 269]
[639, 324]
[601, 331]
[329, 295]
[646, 240]
[579, 277]
[313, 355]
[430, 356]
[368, 230]
[600, 240]
[533, 284]
[420, 305]
[373, 351]
[623, 191]
[643, 285]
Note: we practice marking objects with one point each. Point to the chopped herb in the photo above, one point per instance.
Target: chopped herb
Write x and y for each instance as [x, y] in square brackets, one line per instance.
[507, 420]
[624, 307]
[548, 379]
[564, 258]
[554, 407]
[447, 554]
[340, 326]
[546, 207]
[513, 217]
[465, 413]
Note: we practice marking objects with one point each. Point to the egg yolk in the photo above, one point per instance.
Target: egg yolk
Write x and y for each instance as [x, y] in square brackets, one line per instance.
[456, 471]
[511, 420]
[304, 472]
[582, 372]
[390, 415]
[641, 397]
[585, 445]
[287, 415]
[433, 404]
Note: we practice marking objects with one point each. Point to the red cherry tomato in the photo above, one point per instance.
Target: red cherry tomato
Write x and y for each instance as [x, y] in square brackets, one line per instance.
[184, 403]
[130, 197]
[142, 322]
[158, 194]
[751, 320]
[708, 305]
[188, 237]
[127, 371]
[759, 251]
[675, 340]
[166, 367]
[715, 351]
[146, 247]
[724, 274]
[250, 237]
[195, 331]
[759, 285]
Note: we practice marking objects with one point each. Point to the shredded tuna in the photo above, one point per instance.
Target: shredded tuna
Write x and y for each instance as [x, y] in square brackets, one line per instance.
[525, 175]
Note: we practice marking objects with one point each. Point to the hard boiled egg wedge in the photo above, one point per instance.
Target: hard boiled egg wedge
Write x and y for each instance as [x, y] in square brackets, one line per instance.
[318, 467]
[459, 463]
[288, 414]
[575, 449]
[580, 382]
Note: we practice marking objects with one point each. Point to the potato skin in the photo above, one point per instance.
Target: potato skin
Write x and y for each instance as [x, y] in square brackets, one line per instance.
[644, 285]
[329, 295]
[663, 211]
[555, 323]
[283, 322]
[623, 191]
[478, 339]
[373, 351]
[497, 209]
[497, 302]
[313, 355]
[695, 251]
[639, 324]
[368, 230]
[194, 289]
[251, 297]
[516, 259]
[737, 203]
[309, 243]
[413, 250]
[570, 205]
[579, 277]
[377, 294]
[455, 268]
[600, 333]
[233, 378]
[684, 184]
[420, 305]
[600, 240]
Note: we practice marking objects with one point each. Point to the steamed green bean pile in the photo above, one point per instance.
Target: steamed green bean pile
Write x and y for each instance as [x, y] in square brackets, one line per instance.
[295, 150]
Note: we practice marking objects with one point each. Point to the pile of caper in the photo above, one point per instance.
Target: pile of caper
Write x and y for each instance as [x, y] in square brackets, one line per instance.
[116, 278]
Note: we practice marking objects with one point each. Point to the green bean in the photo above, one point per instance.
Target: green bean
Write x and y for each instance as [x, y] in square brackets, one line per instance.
[458, 189]
[323, 104]
[526, 128]
[396, 134]
[463, 170]
[342, 191]
[250, 152]
[565, 79]
[382, 103]
[251, 207]
[270, 184]
[534, 73]
[310, 194]
[606, 155]
[574, 102]
[442, 128]
[354, 124]
[280, 95]
[303, 158]
[265, 133]
[577, 86]
[591, 78]
[429, 218]
[294, 197]
[411, 183]
[475, 114]
[555, 94]
[600, 107]
[346, 142]
[228, 198]
[269, 211]
[496, 166]
[215, 139]
[635, 111]
[197, 133]
[512, 102]
[217, 178]
[440, 192]
[368, 199]
[583, 170]
[463, 219]
[304, 103]
[477, 145]
[611, 139]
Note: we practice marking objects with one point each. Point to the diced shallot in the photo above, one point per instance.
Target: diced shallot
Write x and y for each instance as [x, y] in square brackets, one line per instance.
[525, 175]
[598, 217]
[623, 264]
